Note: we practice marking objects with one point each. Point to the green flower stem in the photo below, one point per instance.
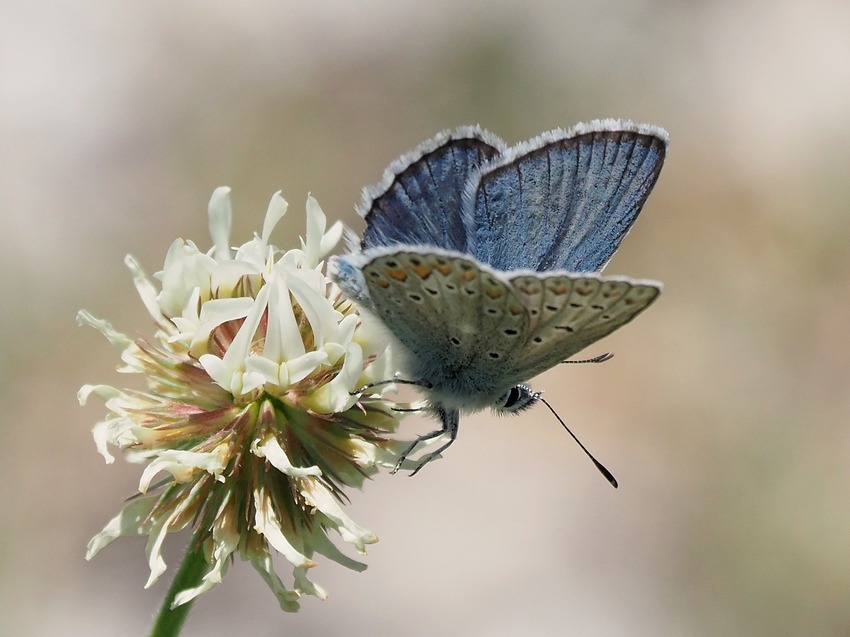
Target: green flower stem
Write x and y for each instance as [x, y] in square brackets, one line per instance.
[170, 620]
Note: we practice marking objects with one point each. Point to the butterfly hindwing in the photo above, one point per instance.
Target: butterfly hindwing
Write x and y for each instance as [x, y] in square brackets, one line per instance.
[566, 199]
[569, 312]
[419, 198]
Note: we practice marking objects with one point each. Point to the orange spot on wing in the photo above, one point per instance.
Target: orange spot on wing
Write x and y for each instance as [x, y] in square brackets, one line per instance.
[424, 271]
[396, 273]
[494, 293]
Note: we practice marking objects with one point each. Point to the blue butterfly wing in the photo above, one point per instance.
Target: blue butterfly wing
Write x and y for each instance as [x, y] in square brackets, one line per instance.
[418, 202]
[564, 200]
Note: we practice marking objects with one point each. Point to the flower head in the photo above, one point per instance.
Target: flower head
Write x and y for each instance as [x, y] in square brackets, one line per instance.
[250, 426]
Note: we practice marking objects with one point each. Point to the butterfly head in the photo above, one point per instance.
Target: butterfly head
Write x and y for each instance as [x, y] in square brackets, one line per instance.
[518, 398]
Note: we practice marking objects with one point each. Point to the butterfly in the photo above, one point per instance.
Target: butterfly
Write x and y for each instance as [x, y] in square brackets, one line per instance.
[483, 260]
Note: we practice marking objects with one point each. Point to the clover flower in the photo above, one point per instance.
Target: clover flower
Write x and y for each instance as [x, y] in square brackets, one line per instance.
[250, 426]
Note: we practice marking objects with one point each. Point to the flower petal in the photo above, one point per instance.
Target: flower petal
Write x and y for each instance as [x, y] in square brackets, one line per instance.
[271, 450]
[287, 599]
[183, 465]
[213, 314]
[274, 213]
[186, 269]
[283, 337]
[224, 542]
[119, 341]
[321, 315]
[220, 214]
[132, 521]
[147, 292]
[319, 496]
[156, 536]
[305, 585]
[267, 524]
[335, 396]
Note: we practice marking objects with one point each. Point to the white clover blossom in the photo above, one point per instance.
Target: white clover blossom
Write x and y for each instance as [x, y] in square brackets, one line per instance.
[249, 427]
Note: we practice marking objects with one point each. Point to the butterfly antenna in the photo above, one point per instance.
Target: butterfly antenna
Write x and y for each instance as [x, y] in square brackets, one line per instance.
[608, 475]
[607, 356]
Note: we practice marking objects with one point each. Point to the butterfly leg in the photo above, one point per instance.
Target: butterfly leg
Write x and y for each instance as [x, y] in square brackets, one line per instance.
[450, 425]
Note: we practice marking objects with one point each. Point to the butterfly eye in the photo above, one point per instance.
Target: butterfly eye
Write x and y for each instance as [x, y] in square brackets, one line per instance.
[518, 398]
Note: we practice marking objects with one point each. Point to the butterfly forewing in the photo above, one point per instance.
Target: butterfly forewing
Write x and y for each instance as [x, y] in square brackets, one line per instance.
[564, 200]
[419, 200]
[569, 312]
[455, 317]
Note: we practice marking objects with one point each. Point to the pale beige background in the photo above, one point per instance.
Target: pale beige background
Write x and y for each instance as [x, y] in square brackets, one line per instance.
[724, 413]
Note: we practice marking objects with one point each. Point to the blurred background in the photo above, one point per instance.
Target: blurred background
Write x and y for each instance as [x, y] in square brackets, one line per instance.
[724, 413]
